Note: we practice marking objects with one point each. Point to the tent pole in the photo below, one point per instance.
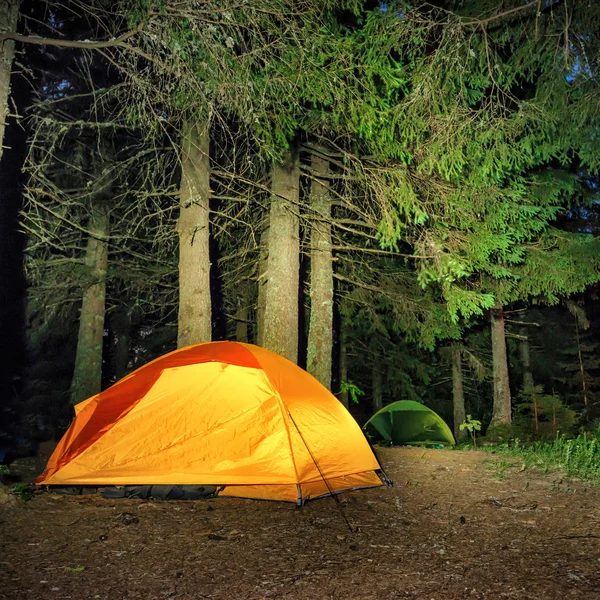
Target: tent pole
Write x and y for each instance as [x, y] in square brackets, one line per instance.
[384, 476]
[334, 496]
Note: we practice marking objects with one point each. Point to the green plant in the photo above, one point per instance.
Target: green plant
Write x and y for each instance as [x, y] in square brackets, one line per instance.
[576, 457]
[23, 490]
[543, 415]
[471, 425]
[504, 434]
[500, 468]
[353, 390]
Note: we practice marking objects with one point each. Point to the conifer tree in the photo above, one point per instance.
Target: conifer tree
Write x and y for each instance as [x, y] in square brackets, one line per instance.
[194, 314]
[9, 15]
[320, 334]
[281, 307]
[458, 394]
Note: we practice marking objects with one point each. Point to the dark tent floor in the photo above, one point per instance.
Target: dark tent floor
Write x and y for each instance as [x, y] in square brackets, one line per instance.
[456, 525]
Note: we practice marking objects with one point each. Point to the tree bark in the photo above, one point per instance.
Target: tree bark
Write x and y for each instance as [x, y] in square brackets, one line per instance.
[281, 309]
[241, 322]
[581, 369]
[502, 411]
[120, 324]
[9, 15]
[320, 333]
[263, 282]
[377, 389]
[87, 375]
[121, 354]
[194, 316]
[528, 383]
[458, 394]
[526, 361]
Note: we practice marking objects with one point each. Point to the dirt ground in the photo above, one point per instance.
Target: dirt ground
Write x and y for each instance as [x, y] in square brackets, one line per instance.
[455, 525]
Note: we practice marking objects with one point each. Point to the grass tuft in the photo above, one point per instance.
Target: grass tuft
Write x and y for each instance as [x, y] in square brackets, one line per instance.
[576, 457]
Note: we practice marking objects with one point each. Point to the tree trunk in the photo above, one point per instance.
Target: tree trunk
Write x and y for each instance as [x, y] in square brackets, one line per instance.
[281, 309]
[377, 389]
[526, 362]
[528, 383]
[121, 330]
[241, 322]
[582, 370]
[502, 414]
[458, 394]
[320, 333]
[263, 276]
[343, 370]
[87, 376]
[121, 354]
[194, 318]
[9, 15]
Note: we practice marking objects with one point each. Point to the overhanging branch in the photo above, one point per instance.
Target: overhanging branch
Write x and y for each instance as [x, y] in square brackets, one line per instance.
[42, 41]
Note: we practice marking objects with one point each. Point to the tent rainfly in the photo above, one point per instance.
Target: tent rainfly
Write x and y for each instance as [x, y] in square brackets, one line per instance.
[222, 414]
[408, 422]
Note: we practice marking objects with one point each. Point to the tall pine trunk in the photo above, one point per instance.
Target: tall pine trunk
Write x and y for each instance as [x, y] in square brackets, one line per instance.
[320, 333]
[582, 370]
[458, 394]
[526, 361]
[87, 375]
[241, 321]
[194, 317]
[377, 380]
[263, 276]
[9, 15]
[281, 308]
[502, 411]
[121, 329]
[528, 383]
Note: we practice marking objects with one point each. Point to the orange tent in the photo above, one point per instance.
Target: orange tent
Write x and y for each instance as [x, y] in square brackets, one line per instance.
[221, 413]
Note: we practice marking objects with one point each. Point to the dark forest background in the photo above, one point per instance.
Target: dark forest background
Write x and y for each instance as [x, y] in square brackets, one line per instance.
[401, 198]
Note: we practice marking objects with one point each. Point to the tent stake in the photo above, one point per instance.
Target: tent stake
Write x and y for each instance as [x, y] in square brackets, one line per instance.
[331, 493]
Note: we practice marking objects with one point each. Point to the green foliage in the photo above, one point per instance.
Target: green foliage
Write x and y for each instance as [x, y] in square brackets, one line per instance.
[22, 490]
[503, 433]
[543, 415]
[576, 457]
[353, 390]
[456, 148]
[472, 426]
[579, 368]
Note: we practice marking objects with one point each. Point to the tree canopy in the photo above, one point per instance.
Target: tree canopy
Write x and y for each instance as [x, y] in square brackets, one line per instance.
[459, 156]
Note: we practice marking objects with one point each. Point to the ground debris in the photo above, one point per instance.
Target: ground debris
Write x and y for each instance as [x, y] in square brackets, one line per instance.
[442, 537]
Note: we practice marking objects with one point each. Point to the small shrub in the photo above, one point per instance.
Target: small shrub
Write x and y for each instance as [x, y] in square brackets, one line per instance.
[24, 491]
[472, 426]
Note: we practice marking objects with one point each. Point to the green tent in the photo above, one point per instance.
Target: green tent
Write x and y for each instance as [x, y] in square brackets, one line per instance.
[408, 422]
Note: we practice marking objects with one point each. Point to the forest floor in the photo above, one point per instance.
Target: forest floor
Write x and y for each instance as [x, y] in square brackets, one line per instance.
[457, 524]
